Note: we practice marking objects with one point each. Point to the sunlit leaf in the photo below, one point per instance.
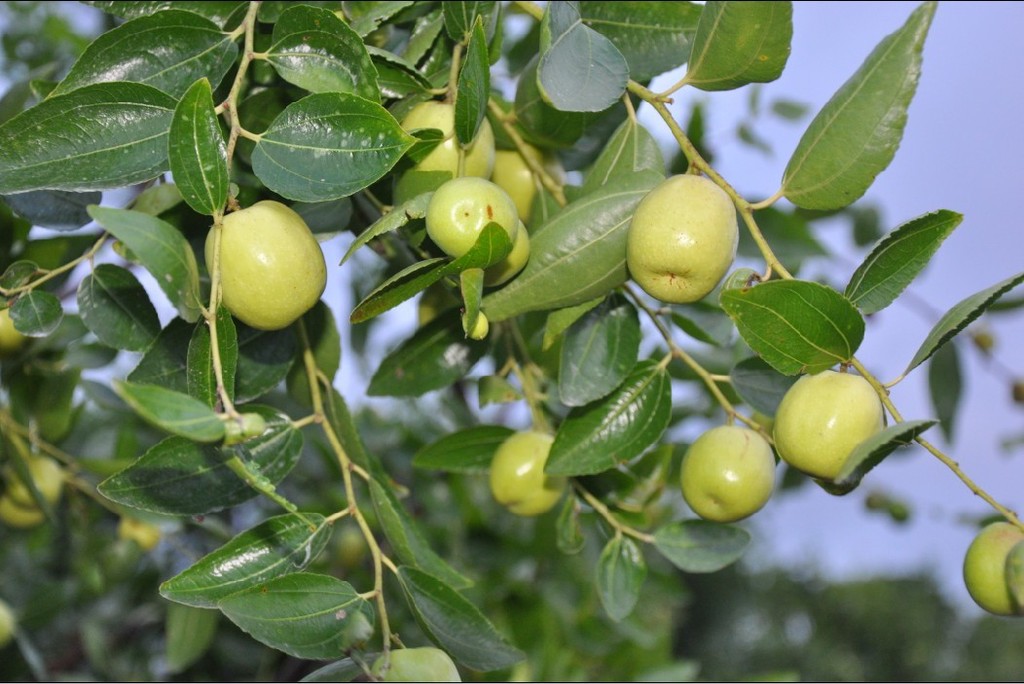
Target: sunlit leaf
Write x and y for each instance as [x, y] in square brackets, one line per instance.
[277, 546]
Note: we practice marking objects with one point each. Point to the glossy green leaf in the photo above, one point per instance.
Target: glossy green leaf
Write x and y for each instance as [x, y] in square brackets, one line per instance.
[580, 70]
[169, 50]
[415, 208]
[162, 249]
[371, 14]
[396, 77]
[102, 136]
[630, 150]
[700, 545]
[855, 135]
[621, 571]
[795, 325]
[340, 419]
[871, 451]
[327, 146]
[471, 287]
[542, 124]
[344, 670]
[588, 236]
[601, 435]
[739, 43]
[190, 633]
[492, 246]
[215, 10]
[36, 313]
[423, 35]
[560, 320]
[898, 258]
[654, 37]
[172, 411]
[474, 87]
[599, 351]
[959, 317]
[114, 305]
[459, 17]
[760, 385]
[465, 451]
[201, 376]
[197, 152]
[319, 52]
[325, 342]
[165, 363]
[455, 624]
[264, 357]
[568, 533]
[945, 387]
[405, 538]
[704, 322]
[277, 546]
[305, 615]
[180, 477]
[19, 273]
[54, 209]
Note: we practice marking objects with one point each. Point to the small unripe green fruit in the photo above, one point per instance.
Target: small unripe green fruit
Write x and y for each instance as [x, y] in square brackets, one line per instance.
[460, 209]
[47, 477]
[144, 534]
[7, 623]
[682, 239]
[10, 339]
[480, 327]
[517, 477]
[506, 269]
[728, 474]
[272, 269]
[822, 418]
[20, 517]
[985, 568]
[417, 665]
[445, 157]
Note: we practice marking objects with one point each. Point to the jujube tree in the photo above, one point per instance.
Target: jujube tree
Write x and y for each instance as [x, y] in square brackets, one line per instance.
[273, 125]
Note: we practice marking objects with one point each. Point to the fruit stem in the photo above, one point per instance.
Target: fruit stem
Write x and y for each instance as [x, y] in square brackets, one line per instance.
[883, 394]
[602, 510]
[50, 275]
[768, 201]
[533, 9]
[313, 376]
[536, 167]
[531, 392]
[678, 352]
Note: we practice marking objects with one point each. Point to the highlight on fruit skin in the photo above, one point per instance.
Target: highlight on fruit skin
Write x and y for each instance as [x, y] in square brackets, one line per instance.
[728, 473]
[682, 239]
[272, 269]
[517, 478]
